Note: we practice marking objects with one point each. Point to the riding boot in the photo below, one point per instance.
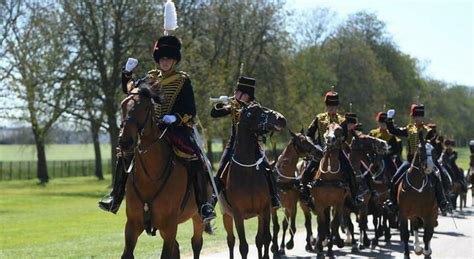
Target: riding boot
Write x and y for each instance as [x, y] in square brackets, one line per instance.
[306, 178]
[201, 186]
[275, 199]
[443, 203]
[111, 202]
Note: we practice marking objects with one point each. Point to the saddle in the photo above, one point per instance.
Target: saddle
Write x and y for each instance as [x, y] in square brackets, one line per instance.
[180, 148]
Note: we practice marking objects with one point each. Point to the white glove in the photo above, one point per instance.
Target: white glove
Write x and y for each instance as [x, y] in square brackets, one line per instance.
[131, 64]
[168, 119]
[222, 99]
[390, 113]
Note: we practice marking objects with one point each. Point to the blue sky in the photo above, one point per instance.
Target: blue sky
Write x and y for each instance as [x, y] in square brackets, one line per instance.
[439, 33]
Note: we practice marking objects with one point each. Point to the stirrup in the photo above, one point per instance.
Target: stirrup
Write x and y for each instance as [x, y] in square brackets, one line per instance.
[207, 212]
[108, 205]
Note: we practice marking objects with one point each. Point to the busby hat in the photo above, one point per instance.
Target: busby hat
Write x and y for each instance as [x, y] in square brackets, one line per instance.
[247, 85]
[449, 142]
[381, 117]
[471, 146]
[331, 98]
[351, 117]
[167, 46]
[417, 110]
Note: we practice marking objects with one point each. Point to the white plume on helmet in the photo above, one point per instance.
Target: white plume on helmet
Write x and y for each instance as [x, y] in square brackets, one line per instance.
[171, 19]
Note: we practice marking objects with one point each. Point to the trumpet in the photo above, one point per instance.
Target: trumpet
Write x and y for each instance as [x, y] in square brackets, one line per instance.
[222, 99]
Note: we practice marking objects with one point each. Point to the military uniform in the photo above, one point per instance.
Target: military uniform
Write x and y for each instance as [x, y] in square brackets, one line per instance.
[316, 131]
[176, 99]
[412, 132]
[448, 158]
[245, 85]
[391, 140]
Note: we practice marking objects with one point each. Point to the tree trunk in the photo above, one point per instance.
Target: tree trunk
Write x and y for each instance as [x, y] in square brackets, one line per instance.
[42, 171]
[98, 156]
[113, 134]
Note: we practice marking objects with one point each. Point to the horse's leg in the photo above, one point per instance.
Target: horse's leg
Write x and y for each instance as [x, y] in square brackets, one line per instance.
[309, 230]
[170, 246]
[405, 236]
[386, 227]
[133, 229]
[239, 225]
[259, 236]
[363, 239]
[322, 225]
[416, 225]
[427, 235]
[284, 228]
[229, 228]
[292, 215]
[196, 240]
[276, 229]
[267, 237]
[375, 240]
[335, 225]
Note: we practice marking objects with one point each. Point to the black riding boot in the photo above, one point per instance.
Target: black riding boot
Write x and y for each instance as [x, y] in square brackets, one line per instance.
[391, 205]
[275, 199]
[111, 202]
[308, 175]
[200, 182]
[443, 203]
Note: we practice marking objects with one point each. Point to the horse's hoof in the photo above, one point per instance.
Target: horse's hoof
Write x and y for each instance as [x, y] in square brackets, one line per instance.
[418, 250]
[374, 244]
[387, 238]
[330, 254]
[281, 252]
[366, 242]
[427, 252]
[274, 249]
[340, 243]
[309, 248]
[325, 242]
[360, 246]
[290, 245]
[406, 257]
[354, 249]
[312, 240]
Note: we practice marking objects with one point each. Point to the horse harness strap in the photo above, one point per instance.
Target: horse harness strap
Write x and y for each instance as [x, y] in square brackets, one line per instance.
[147, 213]
[256, 164]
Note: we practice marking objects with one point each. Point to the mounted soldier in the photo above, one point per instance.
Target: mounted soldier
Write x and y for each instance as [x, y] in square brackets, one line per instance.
[382, 133]
[244, 95]
[175, 108]
[448, 159]
[315, 131]
[412, 132]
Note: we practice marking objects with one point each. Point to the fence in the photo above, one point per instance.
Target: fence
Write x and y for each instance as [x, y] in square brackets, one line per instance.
[23, 170]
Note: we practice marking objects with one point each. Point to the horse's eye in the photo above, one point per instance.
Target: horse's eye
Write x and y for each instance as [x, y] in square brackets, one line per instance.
[249, 114]
[262, 115]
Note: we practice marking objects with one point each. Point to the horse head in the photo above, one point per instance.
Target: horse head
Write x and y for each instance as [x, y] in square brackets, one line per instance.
[137, 114]
[305, 147]
[424, 155]
[260, 119]
[333, 136]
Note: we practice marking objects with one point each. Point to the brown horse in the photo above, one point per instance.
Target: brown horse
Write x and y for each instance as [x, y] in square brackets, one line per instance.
[159, 194]
[417, 202]
[288, 182]
[246, 191]
[329, 191]
[362, 148]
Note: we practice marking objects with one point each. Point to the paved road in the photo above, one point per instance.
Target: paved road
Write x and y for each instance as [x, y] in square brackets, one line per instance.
[448, 242]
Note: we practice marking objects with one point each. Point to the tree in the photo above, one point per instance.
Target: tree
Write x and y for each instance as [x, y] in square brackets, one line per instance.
[42, 64]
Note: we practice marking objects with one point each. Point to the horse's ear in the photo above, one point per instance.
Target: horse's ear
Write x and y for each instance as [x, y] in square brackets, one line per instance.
[302, 131]
[293, 135]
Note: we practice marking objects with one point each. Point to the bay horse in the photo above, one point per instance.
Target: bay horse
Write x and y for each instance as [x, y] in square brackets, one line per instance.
[288, 181]
[363, 149]
[329, 190]
[159, 194]
[246, 191]
[417, 201]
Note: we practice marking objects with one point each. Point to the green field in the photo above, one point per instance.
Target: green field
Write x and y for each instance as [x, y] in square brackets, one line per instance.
[53, 152]
[62, 219]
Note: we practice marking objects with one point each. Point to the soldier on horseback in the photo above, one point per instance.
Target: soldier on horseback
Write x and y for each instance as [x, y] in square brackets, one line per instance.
[382, 133]
[244, 94]
[176, 110]
[315, 131]
[411, 132]
[448, 159]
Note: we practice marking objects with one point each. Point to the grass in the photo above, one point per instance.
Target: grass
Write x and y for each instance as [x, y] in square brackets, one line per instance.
[62, 219]
[53, 152]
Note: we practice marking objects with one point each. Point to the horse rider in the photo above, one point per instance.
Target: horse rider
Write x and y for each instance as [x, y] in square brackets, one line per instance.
[411, 132]
[176, 111]
[448, 158]
[437, 142]
[382, 133]
[315, 131]
[243, 95]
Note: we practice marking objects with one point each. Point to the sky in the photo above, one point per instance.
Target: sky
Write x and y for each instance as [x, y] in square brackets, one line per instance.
[439, 33]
